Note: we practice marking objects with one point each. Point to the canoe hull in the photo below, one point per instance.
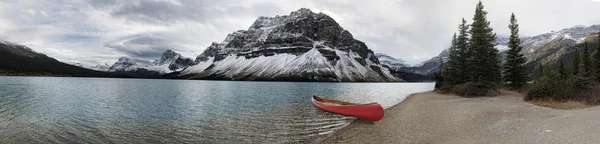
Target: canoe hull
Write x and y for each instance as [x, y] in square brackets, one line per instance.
[371, 111]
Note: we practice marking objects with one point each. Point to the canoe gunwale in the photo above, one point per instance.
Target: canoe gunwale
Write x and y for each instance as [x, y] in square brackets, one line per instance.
[371, 111]
[337, 102]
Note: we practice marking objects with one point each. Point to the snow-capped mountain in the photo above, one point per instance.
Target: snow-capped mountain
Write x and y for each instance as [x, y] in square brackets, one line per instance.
[390, 61]
[100, 67]
[302, 46]
[78, 64]
[540, 48]
[123, 64]
[430, 66]
[17, 59]
[169, 62]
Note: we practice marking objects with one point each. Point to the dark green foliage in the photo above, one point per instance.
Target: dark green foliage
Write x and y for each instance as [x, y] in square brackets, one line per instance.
[545, 85]
[514, 69]
[439, 78]
[583, 79]
[576, 61]
[462, 47]
[583, 83]
[596, 60]
[541, 69]
[473, 67]
[562, 71]
[450, 71]
[455, 71]
[484, 64]
[586, 62]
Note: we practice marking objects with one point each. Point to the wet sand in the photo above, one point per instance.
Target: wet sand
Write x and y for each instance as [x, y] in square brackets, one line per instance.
[429, 117]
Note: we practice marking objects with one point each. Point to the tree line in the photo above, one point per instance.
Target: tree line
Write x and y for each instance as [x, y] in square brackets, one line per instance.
[474, 61]
[578, 84]
[474, 67]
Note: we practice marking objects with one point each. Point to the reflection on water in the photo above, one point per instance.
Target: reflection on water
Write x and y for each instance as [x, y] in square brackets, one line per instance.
[84, 110]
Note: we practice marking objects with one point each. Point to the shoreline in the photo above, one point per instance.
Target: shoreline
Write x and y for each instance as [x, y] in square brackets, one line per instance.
[428, 117]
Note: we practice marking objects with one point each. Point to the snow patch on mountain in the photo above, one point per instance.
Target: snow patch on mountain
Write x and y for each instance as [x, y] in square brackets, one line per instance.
[169, 62]
[300, 46]
[284, 65]
[391, 61]
[124, 64]
[199, 67]
[102, 68]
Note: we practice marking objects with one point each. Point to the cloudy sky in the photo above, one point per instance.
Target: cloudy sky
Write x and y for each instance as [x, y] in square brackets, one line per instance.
[100, 31]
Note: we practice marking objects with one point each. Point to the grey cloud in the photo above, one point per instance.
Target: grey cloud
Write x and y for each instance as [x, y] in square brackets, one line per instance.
[413, 30]
[152, 11]
[148, 47]
[167, 12]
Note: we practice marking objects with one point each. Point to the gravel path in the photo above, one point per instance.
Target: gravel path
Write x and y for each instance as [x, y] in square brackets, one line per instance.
[434, 118]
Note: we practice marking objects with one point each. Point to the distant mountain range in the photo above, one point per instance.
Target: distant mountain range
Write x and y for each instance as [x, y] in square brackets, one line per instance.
[301, 46]
[549, 47]
[18, 60]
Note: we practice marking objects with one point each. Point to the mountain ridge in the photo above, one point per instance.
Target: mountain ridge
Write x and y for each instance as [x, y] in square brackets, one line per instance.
[546, 47]
[301, 46]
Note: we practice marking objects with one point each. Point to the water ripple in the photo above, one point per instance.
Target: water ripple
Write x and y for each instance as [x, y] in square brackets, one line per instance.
[91, 110]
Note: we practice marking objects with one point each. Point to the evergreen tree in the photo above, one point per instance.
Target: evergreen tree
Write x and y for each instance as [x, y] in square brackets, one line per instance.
[545, 85]
[462, 53]
[582, 81]
[514, 71]
[596, 58]
[561, 70]
[586, 61]
[576, 61]
[484, 57]
[439, 77]
[450, 70]
[541, 69]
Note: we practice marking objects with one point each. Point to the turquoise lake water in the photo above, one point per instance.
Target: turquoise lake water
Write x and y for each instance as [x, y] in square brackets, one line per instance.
[106, 110]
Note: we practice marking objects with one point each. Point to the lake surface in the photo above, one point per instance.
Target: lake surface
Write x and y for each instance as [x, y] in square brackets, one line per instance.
[104, 110]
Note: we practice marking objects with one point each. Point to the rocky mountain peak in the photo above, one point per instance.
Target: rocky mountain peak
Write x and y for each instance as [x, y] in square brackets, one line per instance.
[167, 57]
[392, 62]
[301, 11]
[123, 64]
[100, 67]
[173, 60]
[266, 22]
[125, 60]
[296, 41]
[294, 33]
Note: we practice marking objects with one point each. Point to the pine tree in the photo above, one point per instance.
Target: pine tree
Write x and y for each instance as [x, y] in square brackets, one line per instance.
[484, 57]
[541, 69]
[462, 55]
[576, 61]
[581, 80]
[596, 57]
[586, 61]
[450, 70]
[514, 71]
[561, 70]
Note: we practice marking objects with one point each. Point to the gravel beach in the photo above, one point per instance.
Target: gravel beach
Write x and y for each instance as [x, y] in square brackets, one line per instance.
[429, 117]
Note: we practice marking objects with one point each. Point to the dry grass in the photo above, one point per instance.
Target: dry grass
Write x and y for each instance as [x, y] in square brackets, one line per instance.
[567, 105]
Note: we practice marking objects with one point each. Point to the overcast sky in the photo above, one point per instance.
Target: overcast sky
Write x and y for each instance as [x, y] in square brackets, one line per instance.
[100, 31]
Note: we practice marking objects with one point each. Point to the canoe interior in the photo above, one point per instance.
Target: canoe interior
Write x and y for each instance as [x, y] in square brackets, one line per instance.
[333, 102]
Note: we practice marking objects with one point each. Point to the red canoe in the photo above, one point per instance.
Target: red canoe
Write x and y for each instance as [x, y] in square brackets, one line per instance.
[371, 111]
